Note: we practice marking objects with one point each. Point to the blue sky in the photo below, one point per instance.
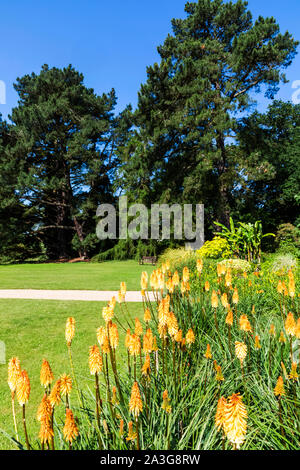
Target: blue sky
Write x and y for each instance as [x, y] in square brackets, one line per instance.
[110, 42]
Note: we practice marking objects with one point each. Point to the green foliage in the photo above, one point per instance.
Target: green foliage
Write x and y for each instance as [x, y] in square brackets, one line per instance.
[177, 257]
[236, 265]
[288, 239]
[217, 248]
[245, 239]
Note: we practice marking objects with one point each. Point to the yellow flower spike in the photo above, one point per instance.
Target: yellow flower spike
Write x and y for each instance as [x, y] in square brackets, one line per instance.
[105, 345]
[101, 333]
[14, 371]
[206, 286]
[166, 404]
[138, 330]
[70, 330]
[134, 345]
[291, 284]
[208, 354]
[290, 325]
[220, 413]
[228, 278]
[95, 360]
[280, 287]
[245, 275]
[120, 297]
[113, 335]
[185, 275]
[244, 323]
[54, 396]
[178, 336]
[172, 325]
[65, 384]
[235, 420]
[214, 299]
[235, 296]
[155, 347]
[240, 351]
[190, 337]
[229, 318]
[70, 430]
[123, 288]
[175, 279]
[199, 265]
[44, 410]
[144, 280]
[146, 366]
[135, 402]
[23, 388]
[147, 316]
[107, 313]
[224, 300]
[279, 388]
[148, 341]
[46, 376]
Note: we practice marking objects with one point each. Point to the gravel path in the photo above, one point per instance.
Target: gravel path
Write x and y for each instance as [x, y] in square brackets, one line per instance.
[86, 295]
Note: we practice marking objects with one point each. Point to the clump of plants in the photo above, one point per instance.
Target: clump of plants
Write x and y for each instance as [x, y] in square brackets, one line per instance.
[211, 363]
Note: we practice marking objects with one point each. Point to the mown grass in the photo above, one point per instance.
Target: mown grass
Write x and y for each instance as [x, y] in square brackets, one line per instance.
[79, 276]
[33, 330]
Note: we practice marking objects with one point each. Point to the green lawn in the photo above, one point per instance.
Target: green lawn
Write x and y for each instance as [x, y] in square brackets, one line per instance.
[85, 276]
[33, 330]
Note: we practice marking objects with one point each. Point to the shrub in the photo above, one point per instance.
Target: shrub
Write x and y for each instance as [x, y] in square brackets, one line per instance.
[237, 265]
[216, 248]
[288, 239]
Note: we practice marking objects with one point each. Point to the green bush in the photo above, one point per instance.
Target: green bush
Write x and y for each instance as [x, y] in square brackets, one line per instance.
[216, 248]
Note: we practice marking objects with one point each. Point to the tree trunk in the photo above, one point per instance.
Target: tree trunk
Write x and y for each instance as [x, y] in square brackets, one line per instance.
[223, 216]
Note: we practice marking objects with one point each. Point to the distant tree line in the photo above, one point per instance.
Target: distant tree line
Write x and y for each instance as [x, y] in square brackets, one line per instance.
[193, 138]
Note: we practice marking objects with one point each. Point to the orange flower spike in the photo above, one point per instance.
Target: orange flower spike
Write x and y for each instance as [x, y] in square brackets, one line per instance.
[54, 396]
[245, 324]
[146, 366]
[206, 286]
[185, 275]
[279, 388]
[113, 336]
[224, 300]
[70, 330]
[14, 371]
[65, 384]
[290, 325]
[138, 331]
[175, 279]
[208, 354]
[135, 345]
[123, 288]
[44, 410]
[121, 428]
[127, 338]
[101, 333]
[147, 316]
[220, 414]
[199, 265]
[144, 280]
[46, 432]
[107, 314]
[235, 296]
[280, 287]
[228, 278]
[235, 420]
[229, 318]
[294, 375]
[257, 344]
[23, 388]
[291, 284]
[297, 330]
[131, 434]
[135, 402]
[190, 337]
[70, 430]
[95, 360]
[46, 375]
[214, 299]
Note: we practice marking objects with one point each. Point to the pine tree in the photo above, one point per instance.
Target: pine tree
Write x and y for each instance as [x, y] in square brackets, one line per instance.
[65, 138]
[183, 147]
